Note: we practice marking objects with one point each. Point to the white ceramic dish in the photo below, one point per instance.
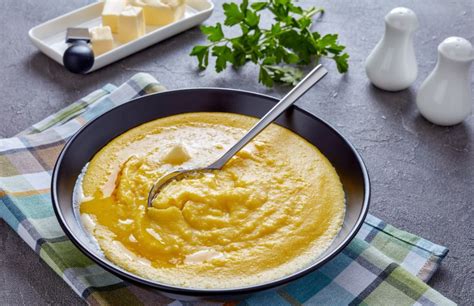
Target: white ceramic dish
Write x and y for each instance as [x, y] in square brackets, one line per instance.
[49, 37]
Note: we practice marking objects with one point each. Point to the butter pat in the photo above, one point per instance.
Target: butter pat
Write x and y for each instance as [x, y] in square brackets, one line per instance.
[202, 256]
[101, 39]
[177, 155]
[111, 13]
[131, 24]
[162, 12]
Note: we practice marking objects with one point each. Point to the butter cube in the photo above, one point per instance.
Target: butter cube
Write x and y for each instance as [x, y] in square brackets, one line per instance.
[177, 155]
[161, 12]
[249, 151]
[111, 13]
[101, 39]
[131, 24]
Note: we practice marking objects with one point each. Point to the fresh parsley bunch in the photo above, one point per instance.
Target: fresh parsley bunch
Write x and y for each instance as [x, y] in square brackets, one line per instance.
[278, 50]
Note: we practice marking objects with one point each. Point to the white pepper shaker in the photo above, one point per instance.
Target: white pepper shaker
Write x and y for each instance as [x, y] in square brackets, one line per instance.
[392, 64]
[445, 97]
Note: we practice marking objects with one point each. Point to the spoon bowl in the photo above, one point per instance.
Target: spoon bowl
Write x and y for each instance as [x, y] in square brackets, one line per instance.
[170, 176]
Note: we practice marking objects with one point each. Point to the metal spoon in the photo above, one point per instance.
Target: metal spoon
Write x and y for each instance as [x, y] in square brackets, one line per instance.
[312, 78]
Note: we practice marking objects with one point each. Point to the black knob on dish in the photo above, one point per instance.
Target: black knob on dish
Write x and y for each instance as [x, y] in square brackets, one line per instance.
[79, 57]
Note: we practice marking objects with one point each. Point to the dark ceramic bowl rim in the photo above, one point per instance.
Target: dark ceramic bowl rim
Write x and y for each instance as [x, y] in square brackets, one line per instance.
[210, 292]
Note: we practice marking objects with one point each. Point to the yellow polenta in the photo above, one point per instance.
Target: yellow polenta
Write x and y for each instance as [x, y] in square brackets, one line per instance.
[271, 211]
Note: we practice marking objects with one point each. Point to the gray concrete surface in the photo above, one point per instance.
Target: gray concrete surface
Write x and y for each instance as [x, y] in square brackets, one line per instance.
[422, 175]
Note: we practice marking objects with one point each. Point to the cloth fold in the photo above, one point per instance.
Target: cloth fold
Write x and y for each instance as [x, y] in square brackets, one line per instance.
[381, 266]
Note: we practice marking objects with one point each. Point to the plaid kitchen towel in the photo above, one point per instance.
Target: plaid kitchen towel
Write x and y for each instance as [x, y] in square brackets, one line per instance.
[381, 266]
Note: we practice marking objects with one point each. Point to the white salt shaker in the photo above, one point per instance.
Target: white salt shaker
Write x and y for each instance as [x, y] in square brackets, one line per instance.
[392, 64]
[445, 97]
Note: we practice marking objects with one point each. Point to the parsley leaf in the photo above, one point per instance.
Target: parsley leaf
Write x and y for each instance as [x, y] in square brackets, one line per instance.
[233, 14]
[202, 53]
[258, 6]
[285, 74]
[278, 51]
[214, 33]
[341, 62]
[223, 55]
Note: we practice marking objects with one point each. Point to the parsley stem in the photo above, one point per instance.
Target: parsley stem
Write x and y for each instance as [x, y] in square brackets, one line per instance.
[313, 11]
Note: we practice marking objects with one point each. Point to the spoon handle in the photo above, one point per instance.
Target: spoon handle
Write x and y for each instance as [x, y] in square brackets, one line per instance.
[312, 78]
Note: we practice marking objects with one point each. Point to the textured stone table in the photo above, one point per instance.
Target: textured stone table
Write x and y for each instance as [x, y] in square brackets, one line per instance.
[422, 175]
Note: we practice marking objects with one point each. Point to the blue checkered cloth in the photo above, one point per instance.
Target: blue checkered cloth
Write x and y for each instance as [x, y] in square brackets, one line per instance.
[381, 266]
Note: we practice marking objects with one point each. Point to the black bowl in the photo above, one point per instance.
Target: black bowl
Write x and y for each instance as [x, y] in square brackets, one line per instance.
[91, 138]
